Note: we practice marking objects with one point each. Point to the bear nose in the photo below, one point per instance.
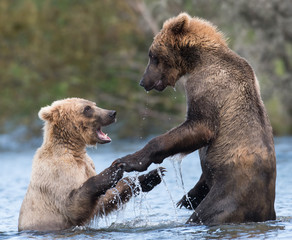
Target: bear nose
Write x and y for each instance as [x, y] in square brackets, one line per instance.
[142, 82]
[112, 114]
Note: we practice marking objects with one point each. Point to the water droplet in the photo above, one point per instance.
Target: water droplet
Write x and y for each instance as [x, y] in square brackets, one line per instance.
[169, 193]
[178, 172]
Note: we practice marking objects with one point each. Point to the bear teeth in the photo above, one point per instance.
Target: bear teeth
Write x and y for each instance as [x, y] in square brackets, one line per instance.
[102, 136]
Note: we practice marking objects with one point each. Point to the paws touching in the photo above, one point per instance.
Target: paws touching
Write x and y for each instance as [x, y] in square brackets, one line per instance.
[133, 163]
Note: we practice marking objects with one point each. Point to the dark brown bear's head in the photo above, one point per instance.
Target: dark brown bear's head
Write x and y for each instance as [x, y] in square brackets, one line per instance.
[176, 50]
[76, 120]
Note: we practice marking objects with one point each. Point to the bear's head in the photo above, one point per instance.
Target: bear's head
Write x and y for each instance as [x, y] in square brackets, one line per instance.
[76, 120]
[176, 50]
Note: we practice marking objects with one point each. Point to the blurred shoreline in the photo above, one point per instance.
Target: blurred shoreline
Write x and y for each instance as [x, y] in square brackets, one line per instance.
[98, 50]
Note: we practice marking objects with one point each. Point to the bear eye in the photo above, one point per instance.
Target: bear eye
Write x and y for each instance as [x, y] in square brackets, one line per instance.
[153, 59]
[87, 111]
[87, 108]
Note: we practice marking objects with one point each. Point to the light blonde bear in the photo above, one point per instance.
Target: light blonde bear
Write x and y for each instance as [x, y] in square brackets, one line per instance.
[64, 189]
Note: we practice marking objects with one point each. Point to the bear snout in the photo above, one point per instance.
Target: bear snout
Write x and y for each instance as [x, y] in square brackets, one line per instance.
[146, 84]
[142, 82]
[112, 114]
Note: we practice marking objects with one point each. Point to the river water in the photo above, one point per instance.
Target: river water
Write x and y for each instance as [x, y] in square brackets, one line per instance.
[147, 216]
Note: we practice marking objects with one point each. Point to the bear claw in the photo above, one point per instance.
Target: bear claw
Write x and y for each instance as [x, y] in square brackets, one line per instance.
[150, 180]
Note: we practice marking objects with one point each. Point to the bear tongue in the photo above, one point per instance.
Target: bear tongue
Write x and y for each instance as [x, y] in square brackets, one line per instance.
[102, 136]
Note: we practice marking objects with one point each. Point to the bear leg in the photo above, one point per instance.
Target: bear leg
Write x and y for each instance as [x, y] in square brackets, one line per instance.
[82, 201]
[194, 197]
[125, 189]
[216, 208]
[186, 138]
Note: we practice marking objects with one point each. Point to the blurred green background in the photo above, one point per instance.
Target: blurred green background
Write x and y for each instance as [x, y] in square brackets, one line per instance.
[52, 49]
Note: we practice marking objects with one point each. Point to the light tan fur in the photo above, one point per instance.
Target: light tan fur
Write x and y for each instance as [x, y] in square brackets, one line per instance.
[64, 189]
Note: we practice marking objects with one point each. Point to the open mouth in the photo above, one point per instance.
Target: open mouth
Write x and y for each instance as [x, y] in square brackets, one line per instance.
[102, 137]
[157, 85]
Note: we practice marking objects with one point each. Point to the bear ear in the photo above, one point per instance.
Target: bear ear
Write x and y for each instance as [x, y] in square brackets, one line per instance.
[180, 24]
[46, 113]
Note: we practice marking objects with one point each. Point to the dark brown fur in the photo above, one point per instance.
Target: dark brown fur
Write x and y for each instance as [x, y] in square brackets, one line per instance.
[226, 121]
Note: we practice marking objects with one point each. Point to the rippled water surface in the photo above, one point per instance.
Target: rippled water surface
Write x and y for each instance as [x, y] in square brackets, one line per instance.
[148, 216]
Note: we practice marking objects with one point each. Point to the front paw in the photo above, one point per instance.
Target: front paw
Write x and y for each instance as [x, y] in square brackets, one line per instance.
[184, 202]
[150, 180]
[116, 172]
[130, 163]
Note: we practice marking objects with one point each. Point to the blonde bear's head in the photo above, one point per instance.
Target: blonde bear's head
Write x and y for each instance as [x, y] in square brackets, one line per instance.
[76, 121]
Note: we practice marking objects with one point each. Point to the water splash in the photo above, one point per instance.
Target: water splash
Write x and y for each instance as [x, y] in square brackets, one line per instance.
[177, 160]
[103, 220]
[175, 171]
[118, 217]
[178, 173]
[139, 202]
[136, 201]
[144, 116]
[145, 112]
[170, 196]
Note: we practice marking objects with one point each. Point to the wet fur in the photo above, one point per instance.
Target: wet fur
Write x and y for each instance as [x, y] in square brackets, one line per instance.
[64, 189]
[226, 121]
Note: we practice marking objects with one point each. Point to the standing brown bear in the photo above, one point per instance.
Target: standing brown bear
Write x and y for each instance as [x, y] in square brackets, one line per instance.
[226, 120]
[64, 189]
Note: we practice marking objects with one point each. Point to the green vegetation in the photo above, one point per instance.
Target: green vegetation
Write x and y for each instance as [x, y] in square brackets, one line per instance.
[53, 49]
